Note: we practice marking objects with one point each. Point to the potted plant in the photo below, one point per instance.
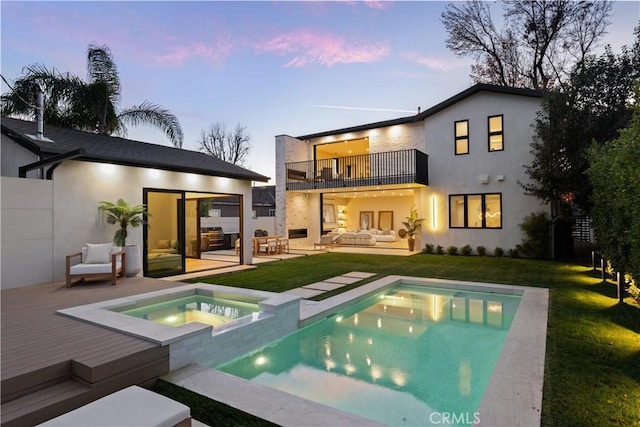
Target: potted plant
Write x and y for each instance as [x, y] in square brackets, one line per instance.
[125, 215]
[412, 224]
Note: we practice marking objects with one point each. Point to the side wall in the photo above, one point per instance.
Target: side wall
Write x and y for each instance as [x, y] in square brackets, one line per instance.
[43, 221]
[462, 174]
[80, 186]
[288, 149]
[26, 246]
[12, 156]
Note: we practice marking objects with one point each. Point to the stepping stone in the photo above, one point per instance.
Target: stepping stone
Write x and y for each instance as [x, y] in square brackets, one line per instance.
[343, 280]
[323, 286]
[304, 293]
[359, 274]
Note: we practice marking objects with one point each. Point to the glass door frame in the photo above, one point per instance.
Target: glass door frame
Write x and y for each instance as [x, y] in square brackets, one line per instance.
[180, 216]
[181, 226]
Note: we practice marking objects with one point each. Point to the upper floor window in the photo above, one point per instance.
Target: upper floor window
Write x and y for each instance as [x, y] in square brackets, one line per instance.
[496, 133]
[462, 136]
[475, 211]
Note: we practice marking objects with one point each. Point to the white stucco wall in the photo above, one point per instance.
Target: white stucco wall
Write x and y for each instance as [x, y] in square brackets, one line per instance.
[451, 174]
[80, 186]
[43, 221]
[26, 246]
[12, 156]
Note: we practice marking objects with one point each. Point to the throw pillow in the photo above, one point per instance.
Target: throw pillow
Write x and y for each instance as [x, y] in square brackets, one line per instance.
[99, 253]
[164, 244]
[386, 232]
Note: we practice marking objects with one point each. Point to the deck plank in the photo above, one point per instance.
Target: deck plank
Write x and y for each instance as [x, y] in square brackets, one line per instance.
[37, 340]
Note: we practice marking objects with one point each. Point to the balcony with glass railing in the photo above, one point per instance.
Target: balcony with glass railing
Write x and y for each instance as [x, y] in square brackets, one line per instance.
[366, 170]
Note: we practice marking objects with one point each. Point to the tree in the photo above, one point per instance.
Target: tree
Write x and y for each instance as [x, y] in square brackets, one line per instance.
[90, 106]
[591, 107]
[124, 215]
[230, 147]
[540, 43]
[614, 173]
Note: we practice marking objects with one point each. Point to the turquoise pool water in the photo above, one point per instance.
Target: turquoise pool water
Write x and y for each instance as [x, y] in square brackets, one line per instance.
[411, 356]
[194, 308]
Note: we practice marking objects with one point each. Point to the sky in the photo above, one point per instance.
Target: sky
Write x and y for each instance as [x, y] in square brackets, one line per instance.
[276, 68]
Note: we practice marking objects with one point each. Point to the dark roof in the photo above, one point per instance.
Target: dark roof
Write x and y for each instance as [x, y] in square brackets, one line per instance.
[109, 149]
[435, 109]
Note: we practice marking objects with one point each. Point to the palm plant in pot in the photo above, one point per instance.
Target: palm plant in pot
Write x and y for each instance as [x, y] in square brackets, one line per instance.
[413, 225]
[126, 215]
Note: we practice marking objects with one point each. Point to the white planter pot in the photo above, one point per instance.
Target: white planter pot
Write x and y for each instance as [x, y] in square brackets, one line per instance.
[134, 263]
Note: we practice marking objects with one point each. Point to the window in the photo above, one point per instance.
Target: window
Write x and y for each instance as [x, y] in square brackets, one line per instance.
[475, 211]
[462, 136]
[496, 133]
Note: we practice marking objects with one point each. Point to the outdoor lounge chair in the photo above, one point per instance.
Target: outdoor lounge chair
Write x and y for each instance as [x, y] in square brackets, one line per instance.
[327, 241]
[97, 261]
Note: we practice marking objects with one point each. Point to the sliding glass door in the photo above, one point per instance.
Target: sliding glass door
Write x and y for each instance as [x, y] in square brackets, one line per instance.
[164, 237]
[190, 231]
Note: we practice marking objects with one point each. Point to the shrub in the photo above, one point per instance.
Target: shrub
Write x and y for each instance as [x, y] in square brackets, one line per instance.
[634, 291]
[452, 250]
[439, 250]
[482, 251]
[466, 250]
[513, 252]
[498, 251]
[428, 248]
[537, 235]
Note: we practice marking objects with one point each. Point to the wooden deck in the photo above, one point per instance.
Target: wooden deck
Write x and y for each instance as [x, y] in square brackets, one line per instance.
[51, 364]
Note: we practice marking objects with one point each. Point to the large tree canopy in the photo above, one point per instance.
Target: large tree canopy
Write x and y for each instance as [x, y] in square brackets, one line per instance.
[90, 105]
[231, 147]
[593, 106]
[538, 45]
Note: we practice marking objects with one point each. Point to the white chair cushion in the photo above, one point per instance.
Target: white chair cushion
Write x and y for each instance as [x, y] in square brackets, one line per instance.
[98, 253]
[80, 269]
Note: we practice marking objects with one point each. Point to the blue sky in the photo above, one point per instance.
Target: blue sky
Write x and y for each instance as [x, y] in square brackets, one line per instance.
[275, 67]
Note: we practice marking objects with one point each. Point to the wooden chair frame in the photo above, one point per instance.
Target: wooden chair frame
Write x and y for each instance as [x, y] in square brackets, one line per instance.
[113, 274]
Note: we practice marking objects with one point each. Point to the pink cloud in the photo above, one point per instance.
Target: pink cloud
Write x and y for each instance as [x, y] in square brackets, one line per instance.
[178, 55]
[309, 47]
[376, 4]
[434, 63]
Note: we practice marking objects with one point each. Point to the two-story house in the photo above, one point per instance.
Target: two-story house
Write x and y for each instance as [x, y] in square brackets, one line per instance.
[460, 163]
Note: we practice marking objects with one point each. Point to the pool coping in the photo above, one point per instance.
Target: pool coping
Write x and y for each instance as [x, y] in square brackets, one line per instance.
[513, 396]
[102, 314]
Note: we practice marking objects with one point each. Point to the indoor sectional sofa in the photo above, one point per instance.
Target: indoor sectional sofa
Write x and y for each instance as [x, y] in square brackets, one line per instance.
[361, 238]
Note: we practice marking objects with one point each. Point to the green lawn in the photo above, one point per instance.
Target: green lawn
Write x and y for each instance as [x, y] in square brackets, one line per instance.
[592, 370]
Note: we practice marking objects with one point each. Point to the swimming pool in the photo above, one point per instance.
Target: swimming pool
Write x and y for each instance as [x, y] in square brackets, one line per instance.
[208, 310]
[409, 355]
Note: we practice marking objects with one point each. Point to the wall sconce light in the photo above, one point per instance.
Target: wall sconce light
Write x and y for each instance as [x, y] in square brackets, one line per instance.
[484, 179]
[434, 222]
